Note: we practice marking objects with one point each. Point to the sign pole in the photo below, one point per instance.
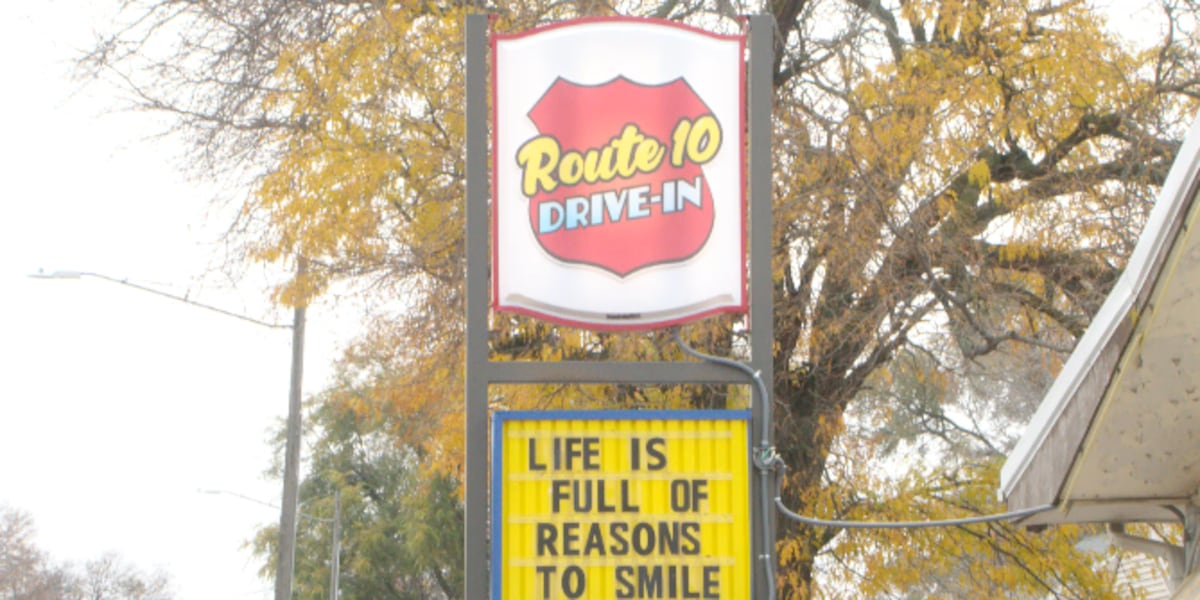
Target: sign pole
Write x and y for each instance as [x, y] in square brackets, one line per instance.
[475, 546]
[481, 371]
[762, 306]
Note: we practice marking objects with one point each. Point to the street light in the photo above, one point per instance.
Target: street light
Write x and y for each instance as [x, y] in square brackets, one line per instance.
[286, 557]
[125, 282]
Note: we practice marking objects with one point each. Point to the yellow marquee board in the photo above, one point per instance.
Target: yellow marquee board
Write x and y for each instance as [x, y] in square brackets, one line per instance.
[608, 505]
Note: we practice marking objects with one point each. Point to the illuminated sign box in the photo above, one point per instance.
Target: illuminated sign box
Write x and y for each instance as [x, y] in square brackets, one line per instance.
[619, 184]
[605, 505]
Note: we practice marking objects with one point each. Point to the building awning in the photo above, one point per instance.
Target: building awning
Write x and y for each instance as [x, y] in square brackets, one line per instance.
[1117, 436]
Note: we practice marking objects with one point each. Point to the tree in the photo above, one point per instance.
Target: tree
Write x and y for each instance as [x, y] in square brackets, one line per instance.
[953, 180]
[401, 522]
[111, 578]
[26, 573]
[925, 445]
[23, 569]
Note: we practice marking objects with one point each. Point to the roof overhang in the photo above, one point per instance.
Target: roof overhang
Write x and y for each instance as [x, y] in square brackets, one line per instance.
[1117, 436]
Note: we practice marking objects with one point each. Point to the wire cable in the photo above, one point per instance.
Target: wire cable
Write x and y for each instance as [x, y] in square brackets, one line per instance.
[1008, 516]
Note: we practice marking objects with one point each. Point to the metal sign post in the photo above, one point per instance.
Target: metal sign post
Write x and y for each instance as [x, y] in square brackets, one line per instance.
[481, 372]
[762, 301]
[475, 559]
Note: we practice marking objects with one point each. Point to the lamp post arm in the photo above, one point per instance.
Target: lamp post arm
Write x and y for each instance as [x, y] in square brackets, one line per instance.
[184, 299]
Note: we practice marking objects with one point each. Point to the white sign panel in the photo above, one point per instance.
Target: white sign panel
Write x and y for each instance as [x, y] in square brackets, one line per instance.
[619, 181]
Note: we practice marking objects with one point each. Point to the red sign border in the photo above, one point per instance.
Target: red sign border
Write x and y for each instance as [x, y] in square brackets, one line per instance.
[617, 324]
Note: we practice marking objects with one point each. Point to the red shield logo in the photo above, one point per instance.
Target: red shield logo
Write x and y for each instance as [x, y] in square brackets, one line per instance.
[614, 179]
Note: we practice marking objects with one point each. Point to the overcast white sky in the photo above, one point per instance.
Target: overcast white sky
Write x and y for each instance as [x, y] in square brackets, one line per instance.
[116, 406]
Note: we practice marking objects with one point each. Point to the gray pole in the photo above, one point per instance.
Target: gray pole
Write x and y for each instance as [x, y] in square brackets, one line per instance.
[475, 544]
[762, 302]
[335, 562]
[286, 559]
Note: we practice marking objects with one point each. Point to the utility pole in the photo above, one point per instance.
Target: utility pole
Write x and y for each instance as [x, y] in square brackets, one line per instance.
[286, 561]
[335, 562]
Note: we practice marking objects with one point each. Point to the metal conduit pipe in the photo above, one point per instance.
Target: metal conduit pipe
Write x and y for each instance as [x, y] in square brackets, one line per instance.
[765, 459]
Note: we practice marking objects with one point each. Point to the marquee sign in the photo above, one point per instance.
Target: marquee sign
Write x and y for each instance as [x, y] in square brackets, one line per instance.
[603, 505]
[619, 173]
